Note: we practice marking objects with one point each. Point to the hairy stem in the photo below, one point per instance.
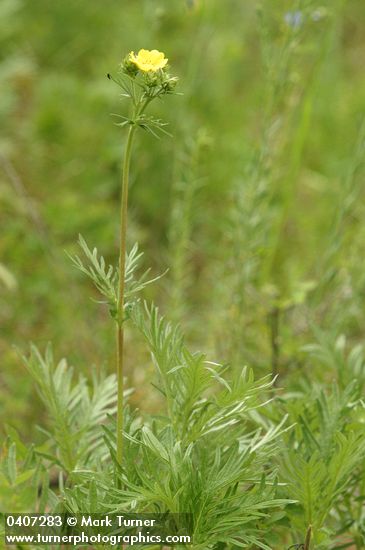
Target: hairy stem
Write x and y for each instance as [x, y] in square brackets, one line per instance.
[120, 312]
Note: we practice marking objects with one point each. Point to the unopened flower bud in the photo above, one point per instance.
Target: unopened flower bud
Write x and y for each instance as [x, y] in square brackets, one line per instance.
[170, 83]
[128, 67]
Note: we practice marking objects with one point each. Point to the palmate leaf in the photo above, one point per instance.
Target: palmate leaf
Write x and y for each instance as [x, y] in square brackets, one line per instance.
[332, 350]
[153, 125]
[76, 409]
[199, 400]
[193, 461]
[324, 460]
[21, 476]
[350, 453]
[220, 503]
[320, 416]
[305, 481]
[106, 278]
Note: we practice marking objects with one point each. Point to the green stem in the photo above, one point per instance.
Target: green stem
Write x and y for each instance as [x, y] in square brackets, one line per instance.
[120, 312]
[308, 538]
[139, 109]
[274, 320]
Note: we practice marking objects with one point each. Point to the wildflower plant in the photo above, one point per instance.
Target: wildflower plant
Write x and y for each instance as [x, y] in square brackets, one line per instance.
[204, 410]
[143, 78]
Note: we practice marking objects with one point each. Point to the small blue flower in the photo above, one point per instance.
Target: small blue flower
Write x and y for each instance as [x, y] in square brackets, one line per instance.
[294, 19]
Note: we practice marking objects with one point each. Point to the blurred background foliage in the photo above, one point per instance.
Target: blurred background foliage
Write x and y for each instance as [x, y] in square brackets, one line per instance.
[255, 205]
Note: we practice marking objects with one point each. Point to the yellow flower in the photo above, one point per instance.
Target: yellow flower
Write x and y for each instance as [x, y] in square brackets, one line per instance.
[148, 60]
